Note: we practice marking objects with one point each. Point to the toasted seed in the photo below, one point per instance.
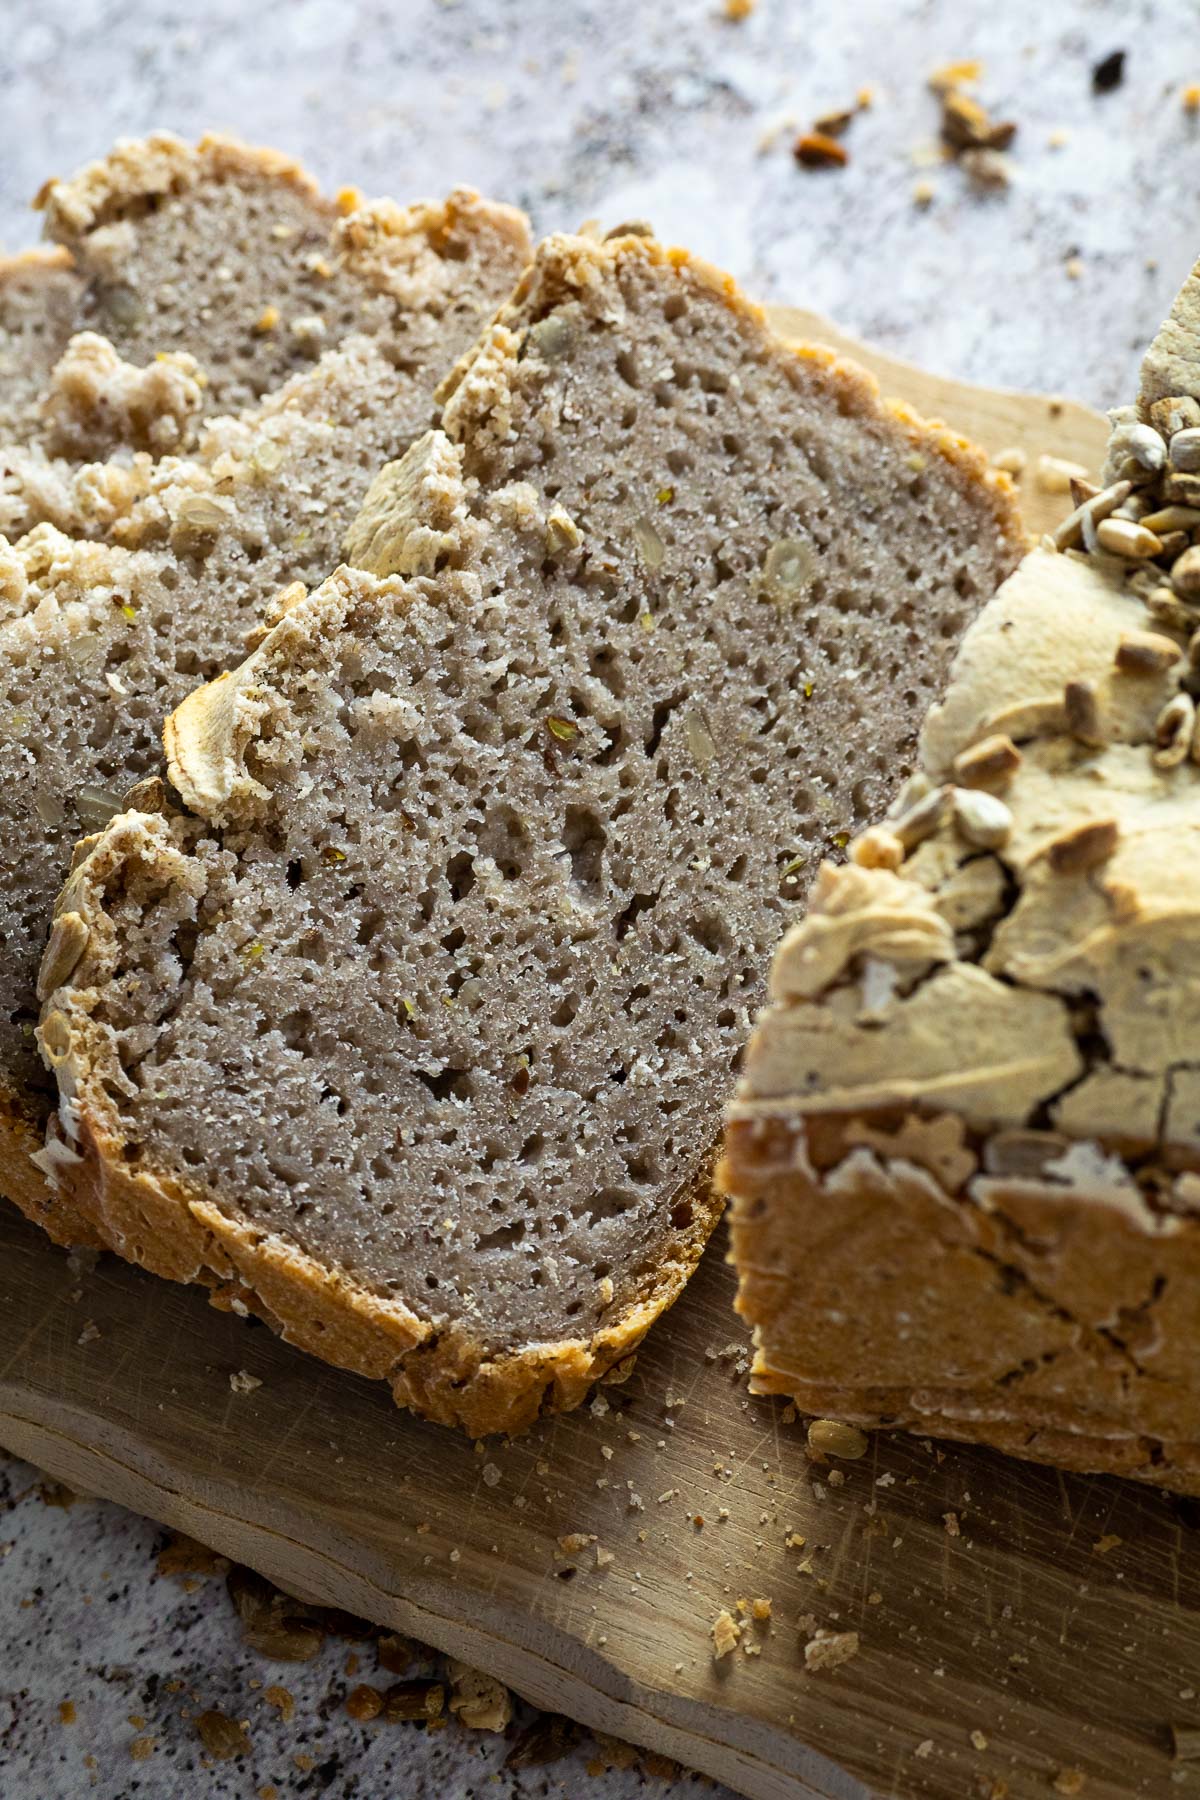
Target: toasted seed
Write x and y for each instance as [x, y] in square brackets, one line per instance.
[1099, 506]
[877, 848]
[1172, 518]
[832, 1438]
[1121, 537]
[1082, 847]
[1174, 543]
[1185, 450]
[1145, 653]
[1082, 712]
[1140, 444]
[413, 1700]
[1168, 610]
[981, 818]
[991, 763]
[986, 167]
[1082, 490]
[1173, 731]
[923, 819]
[834, 124]
[1178, 413]
[1181, 488]
[814, 150]
[1185, 573]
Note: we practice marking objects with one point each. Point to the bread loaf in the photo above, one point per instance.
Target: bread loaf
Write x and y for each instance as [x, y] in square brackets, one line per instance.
[131, 577]
[403, 1015]
[965, 1152]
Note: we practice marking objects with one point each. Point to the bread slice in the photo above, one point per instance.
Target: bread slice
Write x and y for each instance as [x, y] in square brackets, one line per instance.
[39, 300]
[199, 281]
[407, 1028]
[146, 573]
[965, 1153]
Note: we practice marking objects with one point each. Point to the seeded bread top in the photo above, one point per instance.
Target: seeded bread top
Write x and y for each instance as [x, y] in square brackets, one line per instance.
[436, 980]
[1019, 943]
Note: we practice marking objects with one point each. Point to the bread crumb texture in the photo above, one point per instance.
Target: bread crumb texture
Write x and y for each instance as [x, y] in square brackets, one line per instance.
[980, 1052]
[141, 537]
[410, 1026]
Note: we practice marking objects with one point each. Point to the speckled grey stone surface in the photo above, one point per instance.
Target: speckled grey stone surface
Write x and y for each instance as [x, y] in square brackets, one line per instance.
[575, 108]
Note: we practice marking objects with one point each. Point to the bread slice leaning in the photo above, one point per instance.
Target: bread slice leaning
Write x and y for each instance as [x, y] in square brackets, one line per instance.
[146, 572]
[965, 1151]
[404, 1016]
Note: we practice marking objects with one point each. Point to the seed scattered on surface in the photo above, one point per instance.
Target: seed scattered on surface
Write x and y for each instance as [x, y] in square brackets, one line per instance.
[1145, 653]
[832, 1438]
[1083, 847]
[814, 150]
[1054, 474]
[1011, 461]
[991, 763]
[981, 818]
[1109, 72]
[987, 168]
[1122, 537]
[1082, 712]
[966, 125]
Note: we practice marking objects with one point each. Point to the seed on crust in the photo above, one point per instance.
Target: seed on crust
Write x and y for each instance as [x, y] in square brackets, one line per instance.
[1083, 847]
[1145, 653]
[1174, 732]
[1122, 537]
[991, 763]
[982, 819]
[923, 819]
[1082, 712]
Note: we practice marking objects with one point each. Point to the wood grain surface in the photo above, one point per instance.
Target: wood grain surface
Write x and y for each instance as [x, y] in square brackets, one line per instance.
[1014, 1625]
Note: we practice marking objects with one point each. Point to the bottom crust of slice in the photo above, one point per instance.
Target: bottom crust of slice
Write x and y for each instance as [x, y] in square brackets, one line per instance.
[22, 1181]
[891, 1282]
[187, 1235]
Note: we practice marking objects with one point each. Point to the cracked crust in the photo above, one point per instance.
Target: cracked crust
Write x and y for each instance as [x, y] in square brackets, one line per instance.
[965, 1154]
[189, 1231]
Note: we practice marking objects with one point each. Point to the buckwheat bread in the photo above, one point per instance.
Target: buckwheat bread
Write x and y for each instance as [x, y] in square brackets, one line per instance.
[144, 572]
[229, 248]
[195, 281]
[403, 1017]
[965, 1152]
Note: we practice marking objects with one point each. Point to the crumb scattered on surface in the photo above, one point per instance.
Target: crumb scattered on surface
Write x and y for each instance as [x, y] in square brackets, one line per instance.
[726, 1633]
[242, 1382]
[829, 1649]
[223, 1738]
[1069, 1781]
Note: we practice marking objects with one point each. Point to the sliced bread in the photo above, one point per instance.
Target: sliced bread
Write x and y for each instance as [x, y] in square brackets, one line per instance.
[403, 1015]
[965, 1153]
[100, 639]
[39, 302]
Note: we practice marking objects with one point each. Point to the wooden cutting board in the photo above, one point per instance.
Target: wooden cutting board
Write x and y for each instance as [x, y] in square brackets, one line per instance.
[1014, 1624]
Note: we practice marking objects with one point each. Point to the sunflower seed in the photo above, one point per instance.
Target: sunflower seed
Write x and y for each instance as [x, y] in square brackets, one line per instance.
[1185, 573]
[991, 763]
[1185, 450]
[1121, 537]
[1082, 847]
[1100, 505]
[1145, 653]
[923, 819]
[981, 818]
[1082, 712]
[1173, 730]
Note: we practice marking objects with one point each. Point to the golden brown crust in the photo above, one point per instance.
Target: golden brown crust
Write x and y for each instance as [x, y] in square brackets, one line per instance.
[563, 265]
[180, 1231]
[21, 1181]
[141, 169]
[1052, 1321]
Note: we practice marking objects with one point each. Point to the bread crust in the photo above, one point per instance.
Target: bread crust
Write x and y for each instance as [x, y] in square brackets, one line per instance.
[189, 1233]
[964, 1157]
[1051, 1323]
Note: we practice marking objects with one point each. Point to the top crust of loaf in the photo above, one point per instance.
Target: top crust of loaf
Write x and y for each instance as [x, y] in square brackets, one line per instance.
[138, 170]
[954, 979]
[177, 1226]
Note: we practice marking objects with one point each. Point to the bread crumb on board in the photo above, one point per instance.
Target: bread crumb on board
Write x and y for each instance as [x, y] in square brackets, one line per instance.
[829, 1649]
[726, 1634]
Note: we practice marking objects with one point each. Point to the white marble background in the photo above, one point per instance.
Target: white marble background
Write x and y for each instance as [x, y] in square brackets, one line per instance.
[577, 108]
